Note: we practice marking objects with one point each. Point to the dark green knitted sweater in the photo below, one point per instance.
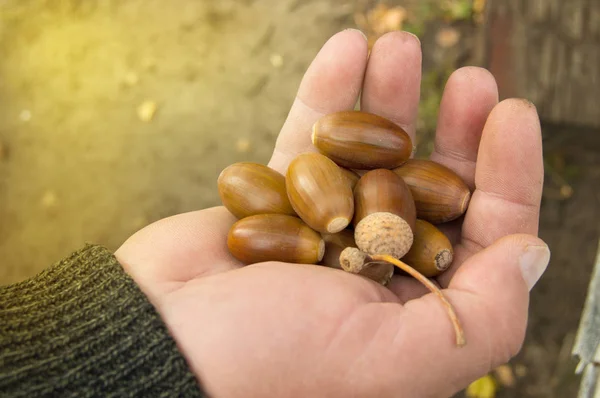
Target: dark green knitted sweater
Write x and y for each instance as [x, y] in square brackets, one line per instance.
[83, 328]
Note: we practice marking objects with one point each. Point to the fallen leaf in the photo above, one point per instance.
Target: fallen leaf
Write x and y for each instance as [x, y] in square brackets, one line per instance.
[520, 370]
[242, 145]
[393, 19]
[566, 191]
[505, 375]
[276, 60]
[447, 37]
[149, 64]
[131, 79]
[478, 6]
[49, 199]
[25, 115]
[382, 19]
[2, 151]
[147, 110]
[484, 387]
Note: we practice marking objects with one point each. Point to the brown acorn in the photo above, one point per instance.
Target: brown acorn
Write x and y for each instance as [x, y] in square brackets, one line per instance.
[440, 194]
[360, 140]
[248, 188]
[334, 245]
[351, 176]
[384, 215]
[431, 252]
[319, 193]
[274, 237]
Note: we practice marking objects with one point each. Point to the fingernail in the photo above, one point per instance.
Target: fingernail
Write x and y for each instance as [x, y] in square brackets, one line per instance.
[533, 262]
[414, 36]
[359, 31]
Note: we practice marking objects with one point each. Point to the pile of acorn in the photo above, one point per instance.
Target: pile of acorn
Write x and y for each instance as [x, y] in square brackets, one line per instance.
[360, 204]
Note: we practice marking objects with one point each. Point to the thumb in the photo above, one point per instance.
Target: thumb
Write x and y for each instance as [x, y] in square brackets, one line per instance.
[491, 295]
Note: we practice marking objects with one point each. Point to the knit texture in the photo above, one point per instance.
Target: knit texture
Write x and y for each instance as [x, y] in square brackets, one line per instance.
[83, 328]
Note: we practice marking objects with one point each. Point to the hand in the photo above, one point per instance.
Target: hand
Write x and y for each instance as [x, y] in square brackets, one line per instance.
[283, 330]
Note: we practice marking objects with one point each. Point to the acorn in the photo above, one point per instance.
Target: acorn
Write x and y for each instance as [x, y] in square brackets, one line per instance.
[440, 194]
[351, 176]
[274, 237]
[319, 193]
[431, 252]
[360, 140]
[248, 189]
[334, 245]
[384, 215]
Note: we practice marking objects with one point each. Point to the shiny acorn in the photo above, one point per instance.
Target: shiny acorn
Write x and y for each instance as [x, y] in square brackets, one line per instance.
[431, 252]
[362, 141]
[247, 189]
[384, 215]
[351, 177]
[274, 237]
[320, 193]
[440, 194]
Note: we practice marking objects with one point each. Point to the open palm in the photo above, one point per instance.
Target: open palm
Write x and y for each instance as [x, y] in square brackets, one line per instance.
[282, 330]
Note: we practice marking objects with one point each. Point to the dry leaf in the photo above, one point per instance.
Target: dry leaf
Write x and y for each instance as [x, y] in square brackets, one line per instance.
[566, 191]
[520, 370]
[380, 20]
[131, 79]
[276, 60]
[383, 19]
[505, 375]
[49, 199]
[2, 151]
[25, 115]
[478, 6]
[447, 37]
[393, 19]
[147, 110]
[242, 145]
[484, 387]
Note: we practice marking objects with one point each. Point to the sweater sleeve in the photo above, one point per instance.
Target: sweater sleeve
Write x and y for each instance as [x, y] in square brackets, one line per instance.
[82, 328]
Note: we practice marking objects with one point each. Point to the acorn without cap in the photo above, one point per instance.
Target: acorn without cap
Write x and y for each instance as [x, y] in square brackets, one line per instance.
[247, 189]
[431, 252]
[360, 140]
[440, 194]
[385, 214]
[319, 193]
[274, 237]
[351, 176]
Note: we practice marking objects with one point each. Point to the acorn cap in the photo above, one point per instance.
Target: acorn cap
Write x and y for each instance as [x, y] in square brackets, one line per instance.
[384, 233]
[355, 261]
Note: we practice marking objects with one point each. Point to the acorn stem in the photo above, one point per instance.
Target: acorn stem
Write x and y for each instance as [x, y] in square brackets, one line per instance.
[460, 334]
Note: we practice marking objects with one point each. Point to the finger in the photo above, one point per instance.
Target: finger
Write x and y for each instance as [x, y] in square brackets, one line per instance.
[469, 96]
[178, 249]
[508, 180]
[332, 83]
[490, 294]
[393, 78]
[407, 288]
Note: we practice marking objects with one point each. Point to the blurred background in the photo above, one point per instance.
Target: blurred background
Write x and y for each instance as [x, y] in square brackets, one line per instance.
[116, 113]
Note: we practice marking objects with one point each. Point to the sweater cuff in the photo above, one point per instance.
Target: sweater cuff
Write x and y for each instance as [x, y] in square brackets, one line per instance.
[83, 328]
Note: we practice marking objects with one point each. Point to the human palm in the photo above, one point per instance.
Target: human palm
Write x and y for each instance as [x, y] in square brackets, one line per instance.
[287, 330]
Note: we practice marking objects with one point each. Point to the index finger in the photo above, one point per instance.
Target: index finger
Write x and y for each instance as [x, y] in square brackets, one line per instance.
[332, 83]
